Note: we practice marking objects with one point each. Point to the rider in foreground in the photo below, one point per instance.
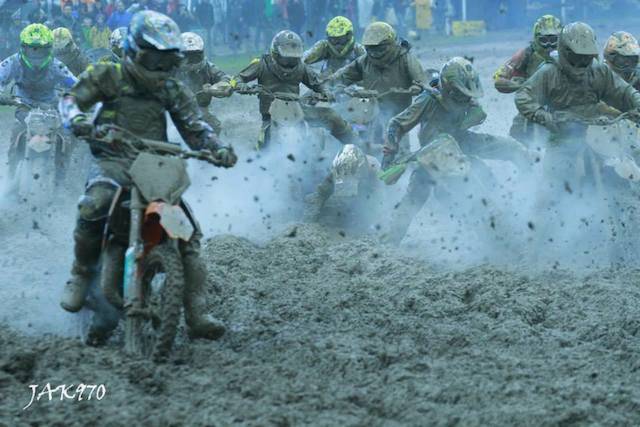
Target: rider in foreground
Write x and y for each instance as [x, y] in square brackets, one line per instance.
[36, 74]
[135, 95]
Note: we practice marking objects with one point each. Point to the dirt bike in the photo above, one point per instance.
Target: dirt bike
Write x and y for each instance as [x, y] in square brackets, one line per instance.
[42, 149]
[142, 270]
[610, 157]
[288, 135]
[362, 111]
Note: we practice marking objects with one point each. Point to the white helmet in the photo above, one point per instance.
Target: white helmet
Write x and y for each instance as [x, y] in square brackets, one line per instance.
[116, 40]
[193, 49]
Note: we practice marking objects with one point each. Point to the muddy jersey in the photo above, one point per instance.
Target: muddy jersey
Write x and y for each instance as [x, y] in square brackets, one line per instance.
[399, 72]
[333, 60]
[75, 60]
[275, 78]
[431, 112]
[552, 90]
[132, 106]
[35, 86]
[208, 73]
[522, 65]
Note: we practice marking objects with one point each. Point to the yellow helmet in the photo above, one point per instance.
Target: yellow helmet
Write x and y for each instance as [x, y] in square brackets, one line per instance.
[61, 38]
[339, 26]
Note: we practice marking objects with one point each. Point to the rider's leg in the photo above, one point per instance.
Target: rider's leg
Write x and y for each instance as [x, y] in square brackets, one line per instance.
[329, 119]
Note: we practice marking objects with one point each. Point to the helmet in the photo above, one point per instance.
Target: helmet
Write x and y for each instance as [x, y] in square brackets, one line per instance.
[577, 48]
[116, 40]
[340, 36]
[350, 166]
[286, 49]
[621, 52]
[62, 39]
[339, 26]
[378, 33]
[546, 31]
[193, 48]
[153, 41]
[380, 42]
[36, 46]
[459, 81]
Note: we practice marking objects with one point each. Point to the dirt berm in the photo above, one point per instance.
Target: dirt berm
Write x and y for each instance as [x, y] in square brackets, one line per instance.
[326, 330]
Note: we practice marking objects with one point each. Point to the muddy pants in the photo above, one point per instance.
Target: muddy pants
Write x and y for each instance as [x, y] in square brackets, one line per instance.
[211, 119]
[485, 146]
[525, 130]
[418, 191]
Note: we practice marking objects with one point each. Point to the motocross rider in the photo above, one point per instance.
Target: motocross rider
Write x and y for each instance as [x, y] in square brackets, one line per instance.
[353, 175]
[282, 70]
[67, 51]
[621, 53]
[36, 74]
[561, 92]
[450, 109]
[135, 95]
[338, 49]
[200, 75]
[510, 76]
[116, 42]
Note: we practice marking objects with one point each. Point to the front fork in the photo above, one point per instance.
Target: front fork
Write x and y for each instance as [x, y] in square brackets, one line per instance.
[132, 285]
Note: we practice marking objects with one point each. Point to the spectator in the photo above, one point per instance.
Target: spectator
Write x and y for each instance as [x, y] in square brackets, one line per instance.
[37, 16]
[67, 19]
[85, 33]
[204, 12]
[100, 33]
[120, 17]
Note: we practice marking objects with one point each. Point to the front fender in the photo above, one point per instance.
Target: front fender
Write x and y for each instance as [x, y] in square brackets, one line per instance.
[173, 220]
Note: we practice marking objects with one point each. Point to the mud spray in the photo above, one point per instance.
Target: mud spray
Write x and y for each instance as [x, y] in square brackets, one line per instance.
[456, 326]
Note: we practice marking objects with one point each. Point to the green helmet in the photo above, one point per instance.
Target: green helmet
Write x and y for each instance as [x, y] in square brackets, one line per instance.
[546, 32]
[622, 52]
[577, 48]
[459, 81]
[378, 33]
[286, 49]
[36, 46]
[340, 36]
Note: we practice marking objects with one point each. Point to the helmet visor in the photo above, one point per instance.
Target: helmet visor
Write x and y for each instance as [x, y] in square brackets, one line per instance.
[548, 42]
[377, 51]
[37, 56]
[624, 62]
[579, 61]
[157, 60]
[194, 57]
[340, 42]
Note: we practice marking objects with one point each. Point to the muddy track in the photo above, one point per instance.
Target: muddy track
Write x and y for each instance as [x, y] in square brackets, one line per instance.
[326, 330]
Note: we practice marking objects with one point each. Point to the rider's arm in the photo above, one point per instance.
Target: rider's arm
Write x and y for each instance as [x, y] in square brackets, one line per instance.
[531, 97]
[216, 75]
[7, 71]
[416, 72]
[349, 74]
[317, 53]
[509, 78]
[249, 74]
[615, 91]
[312, 80]
[64, 77]
[186, 115]
[402, 123]
[98, 83]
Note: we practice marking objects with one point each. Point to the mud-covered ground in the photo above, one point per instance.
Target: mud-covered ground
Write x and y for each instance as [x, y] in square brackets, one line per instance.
[327, 328]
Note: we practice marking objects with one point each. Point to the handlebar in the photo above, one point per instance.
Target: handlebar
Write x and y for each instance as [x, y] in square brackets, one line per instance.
[112, 134]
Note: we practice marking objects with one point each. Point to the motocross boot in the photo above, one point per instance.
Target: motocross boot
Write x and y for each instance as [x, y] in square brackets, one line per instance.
[87, 253]
[314, 202]
[200, 324]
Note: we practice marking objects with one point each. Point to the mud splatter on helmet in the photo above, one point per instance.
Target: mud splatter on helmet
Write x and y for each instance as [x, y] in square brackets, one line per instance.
[546, 32]
[622, 52]
[460, 81]
[577, 48]
[286, 49]
[340, 35]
